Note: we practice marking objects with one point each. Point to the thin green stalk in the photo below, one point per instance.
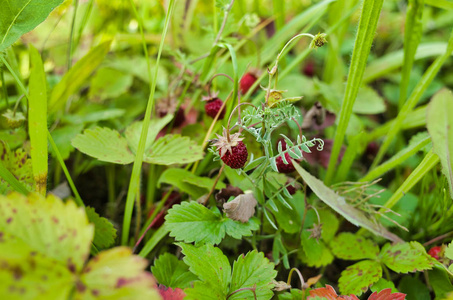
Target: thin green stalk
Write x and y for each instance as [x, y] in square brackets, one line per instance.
[15, 76]
[78, 200]
[85, 18]
[71, 34]
[5, 92]
[369, 17]
[136, 169]
[429, 162]
[396, 160]
[421, 87]
[413, 31]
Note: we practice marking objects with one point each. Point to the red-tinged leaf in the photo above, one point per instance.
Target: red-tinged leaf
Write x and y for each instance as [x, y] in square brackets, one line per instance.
[326, 292]
[386, 294]
[171, 294]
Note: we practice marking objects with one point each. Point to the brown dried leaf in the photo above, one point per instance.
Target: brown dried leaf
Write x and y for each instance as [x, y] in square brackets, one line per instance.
[242, 208]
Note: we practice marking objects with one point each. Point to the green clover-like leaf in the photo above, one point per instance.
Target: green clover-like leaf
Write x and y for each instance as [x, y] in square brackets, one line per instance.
[172, 272]
[351, 246]
[104, 232]
[406, 257]
[193, 222]
[357, 278]
[173, 149]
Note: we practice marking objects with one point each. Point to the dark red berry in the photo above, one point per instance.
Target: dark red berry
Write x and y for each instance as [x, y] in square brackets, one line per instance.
[237, 158]
[213, 106]
[309, 69]
[246, 82]
[282, 167]
[435, 252]
[291, 189]
[179, 117]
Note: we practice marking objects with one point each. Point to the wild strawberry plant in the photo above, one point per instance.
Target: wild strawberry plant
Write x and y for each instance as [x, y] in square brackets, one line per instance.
[239, 156]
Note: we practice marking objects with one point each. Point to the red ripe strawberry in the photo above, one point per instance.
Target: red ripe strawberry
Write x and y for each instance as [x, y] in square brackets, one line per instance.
[435, 252]
[285, 168]
[291, 189]
[213, 105]
[246, 82]
[233, 152]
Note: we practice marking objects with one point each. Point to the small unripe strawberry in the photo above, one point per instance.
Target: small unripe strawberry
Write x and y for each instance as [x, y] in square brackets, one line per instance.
[285, 168]
[246, 82]
[435, 252]
[233, 151]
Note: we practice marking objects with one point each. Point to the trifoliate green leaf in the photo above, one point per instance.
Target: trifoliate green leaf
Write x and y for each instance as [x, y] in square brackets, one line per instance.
[104, 144]
[449, 251]
[405, 257]
[23, 269]
[116, 274]
[186, 181]
[193, 222]
[173, 149]
[55, 229]
[172, 272]
[357, 278]
[351, 246]
[211, 266]
[330, 224]
[203, 291]
[44, 245]
[18, 163]
[104, 232]
[134, 131]
[383, 284]
[316, 254]
[252, 270]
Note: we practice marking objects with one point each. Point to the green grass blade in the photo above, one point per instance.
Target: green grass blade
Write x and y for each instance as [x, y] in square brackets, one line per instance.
[445, 4]
[12, 181]
[413, 31]
[394, 60]
[369, 17]
[421, 87]
[397, 159]
[78, 199]
[136, 169]
[429, 162]
[154, 240]
[37, 120]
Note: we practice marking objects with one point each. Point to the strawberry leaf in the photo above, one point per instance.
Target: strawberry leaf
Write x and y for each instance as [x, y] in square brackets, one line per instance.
[186, 181]
[50, 227]
[387, 294]
[328, 293]
[405, 257]
[19, 165]
[383, 284]
[357, 278]
[173, 149]
[213, 269]
[43, 243]
[193, 222]
[449, 251]
[116, 274]
[104, 144]
[171, 294]
[104, 232]
[350, 246]
[252, 270]
[316, 254]
[172, 272]
[134, 131]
